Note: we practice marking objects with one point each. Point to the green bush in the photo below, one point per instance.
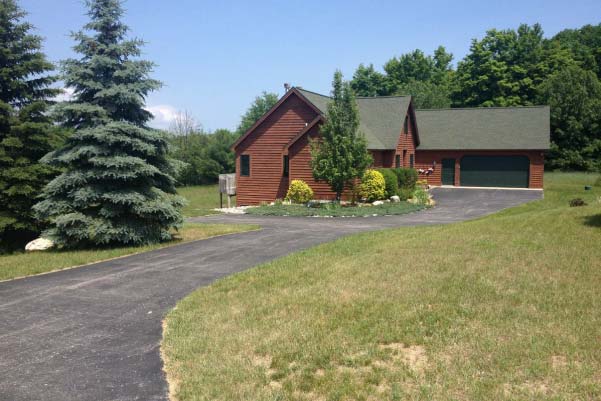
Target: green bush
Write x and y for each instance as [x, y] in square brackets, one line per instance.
[373, 186]
[391, 181]
[598, 182]
[407, 177]
[421, 196]
[404, 193]
[299, 192]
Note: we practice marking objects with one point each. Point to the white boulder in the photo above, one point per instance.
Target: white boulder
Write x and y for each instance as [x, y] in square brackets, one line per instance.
[40, 244]
[377, 203]
[395, 199]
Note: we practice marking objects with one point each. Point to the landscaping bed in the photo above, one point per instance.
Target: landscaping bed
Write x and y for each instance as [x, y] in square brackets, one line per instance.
[505, 307]
[335, 210]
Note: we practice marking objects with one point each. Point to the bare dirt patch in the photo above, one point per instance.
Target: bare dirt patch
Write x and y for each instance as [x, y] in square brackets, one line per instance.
[414, 356]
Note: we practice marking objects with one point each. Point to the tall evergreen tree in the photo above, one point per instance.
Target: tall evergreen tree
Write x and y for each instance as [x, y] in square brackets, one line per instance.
[26, 132]
[340, 156]
[117, 187]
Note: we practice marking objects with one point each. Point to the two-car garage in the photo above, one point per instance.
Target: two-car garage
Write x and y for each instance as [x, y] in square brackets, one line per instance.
[494, 171]
[483, 146]
[477, 170]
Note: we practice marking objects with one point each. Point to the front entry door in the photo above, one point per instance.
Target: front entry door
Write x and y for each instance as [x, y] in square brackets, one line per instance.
[448, 171]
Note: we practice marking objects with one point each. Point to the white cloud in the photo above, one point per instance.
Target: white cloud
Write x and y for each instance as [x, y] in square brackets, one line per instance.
[163, 115]
[65, 96]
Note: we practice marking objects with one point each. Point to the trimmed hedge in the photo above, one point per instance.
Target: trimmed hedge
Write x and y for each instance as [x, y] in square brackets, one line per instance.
[391, 181]
[407, 177]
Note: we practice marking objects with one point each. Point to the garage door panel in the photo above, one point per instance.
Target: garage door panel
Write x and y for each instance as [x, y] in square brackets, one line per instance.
[495, 171]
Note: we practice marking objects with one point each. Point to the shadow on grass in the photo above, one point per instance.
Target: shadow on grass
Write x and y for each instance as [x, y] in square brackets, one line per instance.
[593, 220]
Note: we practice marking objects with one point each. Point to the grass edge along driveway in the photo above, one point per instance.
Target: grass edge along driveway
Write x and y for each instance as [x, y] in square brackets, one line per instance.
[504, 307]
[19, 265]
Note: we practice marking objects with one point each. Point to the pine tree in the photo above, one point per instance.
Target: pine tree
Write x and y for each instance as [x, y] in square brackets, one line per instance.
[340, 156]
[26, 132]
[117, 185]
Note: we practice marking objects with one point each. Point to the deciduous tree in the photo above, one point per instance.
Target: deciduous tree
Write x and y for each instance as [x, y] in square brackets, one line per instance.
[575, 99]
[261, 105]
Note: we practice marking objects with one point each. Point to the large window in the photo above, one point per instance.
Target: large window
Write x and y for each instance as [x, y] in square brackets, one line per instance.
[245, 165]
[286, 169]
[397, 161]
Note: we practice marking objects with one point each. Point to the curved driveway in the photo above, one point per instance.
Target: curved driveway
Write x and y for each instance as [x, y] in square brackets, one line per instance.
[93, 333]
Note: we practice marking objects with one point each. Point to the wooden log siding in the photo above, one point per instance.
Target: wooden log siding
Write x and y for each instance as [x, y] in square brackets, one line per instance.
[382, 158]
[265, 145]
[425, 159]
[300, 166]
[406, 141]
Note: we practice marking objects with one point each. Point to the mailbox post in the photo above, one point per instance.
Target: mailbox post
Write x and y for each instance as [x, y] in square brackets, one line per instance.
[227, 185]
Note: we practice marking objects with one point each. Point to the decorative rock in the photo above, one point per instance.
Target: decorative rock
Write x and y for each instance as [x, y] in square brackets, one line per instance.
[377, 203]
[40, 244]
[395, 199]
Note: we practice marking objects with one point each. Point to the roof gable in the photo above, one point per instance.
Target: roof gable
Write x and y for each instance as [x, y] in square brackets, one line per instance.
[380, 118]
[270, 112]
[484, 128]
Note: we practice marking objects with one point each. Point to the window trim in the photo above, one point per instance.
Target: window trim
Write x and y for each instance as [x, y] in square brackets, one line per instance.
[243, 157]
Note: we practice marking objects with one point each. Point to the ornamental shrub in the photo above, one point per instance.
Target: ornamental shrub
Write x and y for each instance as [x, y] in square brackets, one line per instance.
[421, 196]
[404, 193]
[407, 177]
[373, 186]
[391, 180]
[299, 192]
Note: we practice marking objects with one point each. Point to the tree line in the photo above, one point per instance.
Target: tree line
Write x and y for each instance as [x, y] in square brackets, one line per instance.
[510, 68]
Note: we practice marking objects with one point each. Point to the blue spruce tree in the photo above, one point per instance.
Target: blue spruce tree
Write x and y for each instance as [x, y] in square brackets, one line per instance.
[117, 186]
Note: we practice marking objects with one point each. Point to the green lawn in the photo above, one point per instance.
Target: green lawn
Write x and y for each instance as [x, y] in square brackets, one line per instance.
[507, 307]
[202, 199]
[27, 264]
[335, 211]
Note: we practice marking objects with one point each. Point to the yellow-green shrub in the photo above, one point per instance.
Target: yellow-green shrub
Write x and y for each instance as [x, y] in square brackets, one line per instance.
[299, 192]
[373, 186]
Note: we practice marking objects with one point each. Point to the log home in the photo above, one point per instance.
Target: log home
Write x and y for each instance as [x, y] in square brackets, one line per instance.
[478, 147]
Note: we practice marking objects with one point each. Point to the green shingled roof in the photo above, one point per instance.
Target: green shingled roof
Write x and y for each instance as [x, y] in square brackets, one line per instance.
[381, 118]
[484, 128]
[480, 128]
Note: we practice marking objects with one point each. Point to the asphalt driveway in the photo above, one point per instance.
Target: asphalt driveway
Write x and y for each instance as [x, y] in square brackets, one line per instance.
[93, 333]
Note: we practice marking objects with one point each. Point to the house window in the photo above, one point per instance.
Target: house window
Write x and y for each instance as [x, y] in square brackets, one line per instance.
[397, 161]
[245, 165]
[406, 127]
[411, 161]
[286, 169]
[404, 156]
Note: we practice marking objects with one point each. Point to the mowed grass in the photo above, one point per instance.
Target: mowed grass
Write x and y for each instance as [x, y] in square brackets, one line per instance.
[26, 264]
[202, 199]
[507, 307]
[387, 209]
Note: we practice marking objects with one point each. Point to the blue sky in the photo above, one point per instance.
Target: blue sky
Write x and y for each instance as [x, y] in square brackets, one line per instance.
[214, 57]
